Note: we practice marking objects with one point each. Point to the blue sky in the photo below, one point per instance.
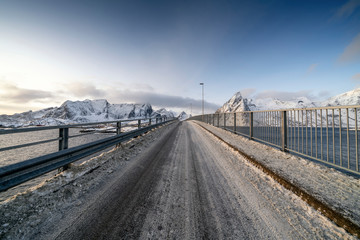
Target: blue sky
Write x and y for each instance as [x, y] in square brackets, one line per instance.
[159, 51]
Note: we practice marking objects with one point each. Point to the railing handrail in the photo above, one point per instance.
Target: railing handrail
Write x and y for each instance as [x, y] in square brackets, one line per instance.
[41, 128]
[289, 109]
[301, 131]
[17, 173]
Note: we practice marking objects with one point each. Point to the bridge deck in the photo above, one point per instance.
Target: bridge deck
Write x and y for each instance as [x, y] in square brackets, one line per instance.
[188, 185]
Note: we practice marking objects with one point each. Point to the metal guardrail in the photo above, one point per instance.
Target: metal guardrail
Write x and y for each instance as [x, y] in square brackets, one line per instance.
[15, 174]
[326, 134]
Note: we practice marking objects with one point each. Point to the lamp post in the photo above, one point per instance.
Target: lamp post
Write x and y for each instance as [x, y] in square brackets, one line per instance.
[202, 84]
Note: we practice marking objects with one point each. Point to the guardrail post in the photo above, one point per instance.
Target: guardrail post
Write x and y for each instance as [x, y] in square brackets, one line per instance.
[63, 138]
[234, 122]
[218, 117]
[139, 124]
[213, 119]
[283, 131]
[118, 131]
[63, 144]
[118, 128]
[149, 121]
[251, 125]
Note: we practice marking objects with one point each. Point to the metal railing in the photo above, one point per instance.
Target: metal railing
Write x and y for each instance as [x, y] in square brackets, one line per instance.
[326, 134]
[18, 172]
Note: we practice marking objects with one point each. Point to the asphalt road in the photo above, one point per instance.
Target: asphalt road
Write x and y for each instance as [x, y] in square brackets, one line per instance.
[188, 185]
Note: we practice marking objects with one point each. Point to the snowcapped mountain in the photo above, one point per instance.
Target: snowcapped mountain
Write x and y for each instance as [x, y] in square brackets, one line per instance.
[237, 103]
[345, 99]
[82, 112]
[162, 112]
[183, 116]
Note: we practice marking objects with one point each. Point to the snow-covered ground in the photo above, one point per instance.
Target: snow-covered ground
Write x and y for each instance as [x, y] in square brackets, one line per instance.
[338, 190]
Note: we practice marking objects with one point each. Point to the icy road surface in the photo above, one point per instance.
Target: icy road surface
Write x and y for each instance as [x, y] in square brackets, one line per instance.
[187, 186]
[183, 184]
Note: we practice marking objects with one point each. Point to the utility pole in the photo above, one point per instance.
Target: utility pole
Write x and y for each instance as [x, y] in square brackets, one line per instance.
[202, 84]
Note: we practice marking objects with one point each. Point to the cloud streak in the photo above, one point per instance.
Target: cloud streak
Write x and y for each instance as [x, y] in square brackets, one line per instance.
[247, 92]
[356, 77]
[347, 9]
[285, 96]
[312, 67]
[352, 51]
[14, 94]
[79, 89]
[160, 100]
[144, 94]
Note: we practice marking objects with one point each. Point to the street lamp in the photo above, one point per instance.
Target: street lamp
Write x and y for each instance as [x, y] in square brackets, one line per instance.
[202, 84]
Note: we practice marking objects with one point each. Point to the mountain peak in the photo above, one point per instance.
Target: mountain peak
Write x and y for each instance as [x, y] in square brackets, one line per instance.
[235, 104]
[98, 110]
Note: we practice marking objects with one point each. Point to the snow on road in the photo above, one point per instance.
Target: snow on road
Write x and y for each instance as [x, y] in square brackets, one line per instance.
[177, 182]
[338, 190]
[35, 211]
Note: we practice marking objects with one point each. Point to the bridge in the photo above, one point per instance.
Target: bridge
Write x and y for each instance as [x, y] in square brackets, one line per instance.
[215, 176]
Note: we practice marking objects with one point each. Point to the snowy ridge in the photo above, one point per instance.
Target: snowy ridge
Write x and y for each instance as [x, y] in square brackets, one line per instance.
[82, 112]
[183, 116]
[344, 99]
[162, 112]
[237, 103]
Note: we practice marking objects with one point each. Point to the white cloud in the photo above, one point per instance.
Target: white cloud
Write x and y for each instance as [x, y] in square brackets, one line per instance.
[15, 99]
[347, 9]
[14, 94]
[247, 92]
[158, 100]
[352, 51]
[324, 94]
[143, 93]
[288, 96]
[282, 95]
[82, 89]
